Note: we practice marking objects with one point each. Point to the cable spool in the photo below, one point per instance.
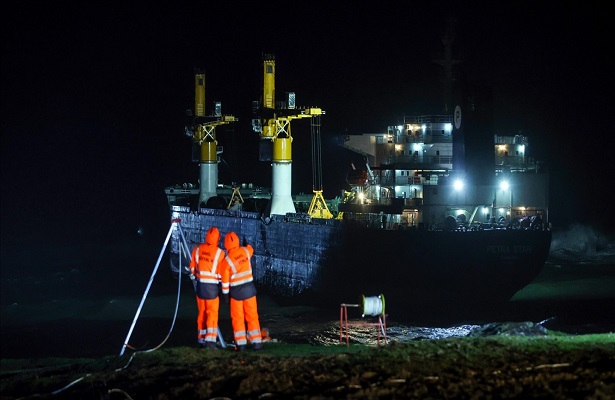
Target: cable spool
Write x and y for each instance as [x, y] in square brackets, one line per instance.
[373, 306]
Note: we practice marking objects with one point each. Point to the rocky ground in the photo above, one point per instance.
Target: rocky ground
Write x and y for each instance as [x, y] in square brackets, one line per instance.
[497, 366]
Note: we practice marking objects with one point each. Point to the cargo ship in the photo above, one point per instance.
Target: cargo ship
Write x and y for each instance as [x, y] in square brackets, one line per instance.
[441, 212]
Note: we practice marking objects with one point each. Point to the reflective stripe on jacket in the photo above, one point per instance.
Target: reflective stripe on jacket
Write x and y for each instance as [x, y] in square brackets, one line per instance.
[204, 263]
[237, 271]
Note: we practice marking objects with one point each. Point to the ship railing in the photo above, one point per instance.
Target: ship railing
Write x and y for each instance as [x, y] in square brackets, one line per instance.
[229, 213]
[429, 138]
[302, 218]
[424, 119]
[435, 136]
[436, 162]
[507, 169]
[438, 137]
[517, 139]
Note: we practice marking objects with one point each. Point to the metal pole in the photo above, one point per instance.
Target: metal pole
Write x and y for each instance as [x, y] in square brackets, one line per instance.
[149, 284]
[183, 246]
[511, 204]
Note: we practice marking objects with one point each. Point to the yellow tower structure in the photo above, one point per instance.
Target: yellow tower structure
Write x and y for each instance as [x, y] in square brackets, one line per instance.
[274, 126]
[203, 132]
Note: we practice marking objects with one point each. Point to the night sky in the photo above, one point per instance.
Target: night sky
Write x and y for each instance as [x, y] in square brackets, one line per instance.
[94, 97]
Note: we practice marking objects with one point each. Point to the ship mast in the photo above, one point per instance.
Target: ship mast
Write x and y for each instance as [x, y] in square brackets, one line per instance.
[447, 63]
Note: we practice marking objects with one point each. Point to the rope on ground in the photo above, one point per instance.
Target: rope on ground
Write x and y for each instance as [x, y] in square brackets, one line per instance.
[69, 385]
[179, 282]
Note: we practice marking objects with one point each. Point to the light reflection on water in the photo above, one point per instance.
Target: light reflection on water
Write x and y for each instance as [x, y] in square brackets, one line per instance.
[329, 334]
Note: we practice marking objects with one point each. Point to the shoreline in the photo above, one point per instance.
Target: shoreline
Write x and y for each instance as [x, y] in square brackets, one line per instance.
[572, 299]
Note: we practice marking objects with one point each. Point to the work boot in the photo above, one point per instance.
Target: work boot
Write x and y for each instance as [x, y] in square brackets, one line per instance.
[211, 345]
[241, 347]
[257, 346]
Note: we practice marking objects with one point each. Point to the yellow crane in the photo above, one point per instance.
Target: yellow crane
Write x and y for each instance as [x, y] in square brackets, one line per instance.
[202, 129]
[274, 127]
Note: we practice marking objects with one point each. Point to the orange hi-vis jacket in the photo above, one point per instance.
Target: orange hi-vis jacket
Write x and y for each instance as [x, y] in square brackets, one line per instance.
[237, 268]
[237, 280]
[204, 266]
[206, 257]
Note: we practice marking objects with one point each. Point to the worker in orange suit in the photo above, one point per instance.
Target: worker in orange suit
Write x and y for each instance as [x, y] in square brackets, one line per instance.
[205, 273]
[237, 280]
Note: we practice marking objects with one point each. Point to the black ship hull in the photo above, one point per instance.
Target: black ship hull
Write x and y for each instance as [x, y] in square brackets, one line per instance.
[317, 261]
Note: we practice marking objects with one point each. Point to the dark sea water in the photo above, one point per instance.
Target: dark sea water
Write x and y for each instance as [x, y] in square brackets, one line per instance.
[82, 299]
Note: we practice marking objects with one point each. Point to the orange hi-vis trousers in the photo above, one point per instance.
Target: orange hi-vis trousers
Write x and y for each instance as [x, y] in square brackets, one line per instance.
[242, 312]
[207, 320]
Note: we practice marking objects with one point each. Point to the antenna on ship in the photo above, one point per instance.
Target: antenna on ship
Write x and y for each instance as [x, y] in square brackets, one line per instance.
[447, 62]
[202, 130]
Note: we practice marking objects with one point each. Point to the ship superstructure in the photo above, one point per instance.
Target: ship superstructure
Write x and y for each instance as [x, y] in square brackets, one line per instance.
[415, 165]
[447, 171]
